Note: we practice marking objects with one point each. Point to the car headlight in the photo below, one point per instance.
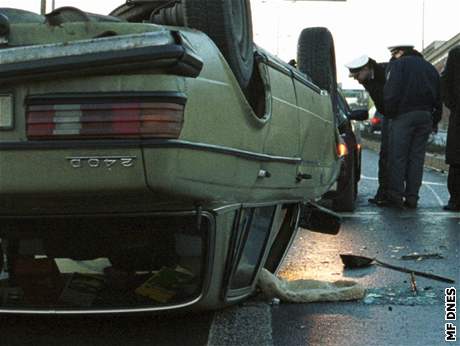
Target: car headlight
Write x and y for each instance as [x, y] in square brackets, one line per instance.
[6, 111]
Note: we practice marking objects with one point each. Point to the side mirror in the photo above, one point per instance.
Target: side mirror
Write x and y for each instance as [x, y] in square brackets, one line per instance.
[316, 218]
[359, 115]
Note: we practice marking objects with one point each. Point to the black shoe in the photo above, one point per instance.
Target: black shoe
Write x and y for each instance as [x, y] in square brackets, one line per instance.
[378, 200]
[411, 202]
[452, 207]
[396, 203]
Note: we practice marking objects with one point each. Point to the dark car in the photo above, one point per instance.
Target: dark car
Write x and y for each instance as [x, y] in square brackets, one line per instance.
[346, 189]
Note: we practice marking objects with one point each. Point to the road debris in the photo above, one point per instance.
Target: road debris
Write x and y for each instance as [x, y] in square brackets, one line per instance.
[275, 301]
[413, 284]
[308, 291]
[354, 261]
[420, 257]
[370, 298]
[401, 296]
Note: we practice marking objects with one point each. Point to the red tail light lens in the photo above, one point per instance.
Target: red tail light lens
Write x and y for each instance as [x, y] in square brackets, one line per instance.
[375, 121]
[105, 120]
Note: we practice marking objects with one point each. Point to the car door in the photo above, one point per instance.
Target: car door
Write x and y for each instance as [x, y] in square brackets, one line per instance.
[318, 136]
[282, 143]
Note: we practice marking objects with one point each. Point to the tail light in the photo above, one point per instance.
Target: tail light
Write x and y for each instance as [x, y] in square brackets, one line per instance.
[342, 149]
[104, 119]
[375, 121]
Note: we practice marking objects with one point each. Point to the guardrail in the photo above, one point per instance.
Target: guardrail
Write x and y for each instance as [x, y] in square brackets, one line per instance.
[434, 158]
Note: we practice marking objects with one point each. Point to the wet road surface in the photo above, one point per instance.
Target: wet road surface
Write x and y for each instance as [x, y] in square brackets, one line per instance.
[389, 315]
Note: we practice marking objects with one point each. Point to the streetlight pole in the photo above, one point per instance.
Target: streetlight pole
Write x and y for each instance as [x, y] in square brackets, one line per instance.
[423, 25]
[278, 30]
[43, 7]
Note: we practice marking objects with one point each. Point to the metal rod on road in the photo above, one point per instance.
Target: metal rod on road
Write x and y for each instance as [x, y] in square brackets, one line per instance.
[355, 261]
[413, 283]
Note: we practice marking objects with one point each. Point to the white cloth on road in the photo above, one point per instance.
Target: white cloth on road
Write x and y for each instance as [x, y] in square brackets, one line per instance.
[308, 291]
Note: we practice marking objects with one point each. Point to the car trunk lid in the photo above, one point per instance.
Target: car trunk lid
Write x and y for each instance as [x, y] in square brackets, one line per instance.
[75, 112]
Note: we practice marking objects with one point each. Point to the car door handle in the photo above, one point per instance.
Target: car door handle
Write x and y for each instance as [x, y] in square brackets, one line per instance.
[264, 174]
[303, 176]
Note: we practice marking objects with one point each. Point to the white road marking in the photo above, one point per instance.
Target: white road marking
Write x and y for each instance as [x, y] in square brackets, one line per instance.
[423, 182]
[417, 214]
[446, 214]
[368, 178]
[441, 203]
[249, 325]
[433, 183]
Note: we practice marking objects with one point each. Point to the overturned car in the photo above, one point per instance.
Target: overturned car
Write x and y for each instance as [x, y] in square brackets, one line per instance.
[155, 159]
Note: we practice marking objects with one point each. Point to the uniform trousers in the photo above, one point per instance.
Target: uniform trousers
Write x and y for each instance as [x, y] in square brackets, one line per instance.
[409, 133]
[453, 184]
[383, 160]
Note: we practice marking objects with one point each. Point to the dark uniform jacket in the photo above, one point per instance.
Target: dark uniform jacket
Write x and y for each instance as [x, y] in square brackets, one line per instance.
[375, 86]
[412, 84]
[450, 86]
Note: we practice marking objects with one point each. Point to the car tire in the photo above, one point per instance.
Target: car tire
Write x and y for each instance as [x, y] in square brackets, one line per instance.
[346, 200]
[316, 58]
[229, 24]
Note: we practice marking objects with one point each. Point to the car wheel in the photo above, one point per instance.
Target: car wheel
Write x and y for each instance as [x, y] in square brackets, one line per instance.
[316, 58]
[229, 24]
[348, 188]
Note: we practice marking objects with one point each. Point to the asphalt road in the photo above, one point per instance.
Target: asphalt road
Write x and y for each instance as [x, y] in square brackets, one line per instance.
[389, 315]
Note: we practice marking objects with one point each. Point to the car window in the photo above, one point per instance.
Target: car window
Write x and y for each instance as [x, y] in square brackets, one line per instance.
[16, 16]
[255, 223]
[343, 109]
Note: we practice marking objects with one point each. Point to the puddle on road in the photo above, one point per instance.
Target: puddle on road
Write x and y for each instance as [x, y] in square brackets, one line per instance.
[398, 296]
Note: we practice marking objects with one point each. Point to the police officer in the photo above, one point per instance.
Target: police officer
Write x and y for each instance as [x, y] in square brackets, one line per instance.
[450, 86]
[371, 75]
[412, 100]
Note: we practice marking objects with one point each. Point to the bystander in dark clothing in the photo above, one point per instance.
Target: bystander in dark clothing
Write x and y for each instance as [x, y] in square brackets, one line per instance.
[450, 91]
[412, 101]
[371, 75]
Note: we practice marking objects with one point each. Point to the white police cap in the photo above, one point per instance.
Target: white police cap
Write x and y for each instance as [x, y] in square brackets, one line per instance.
[357, 63]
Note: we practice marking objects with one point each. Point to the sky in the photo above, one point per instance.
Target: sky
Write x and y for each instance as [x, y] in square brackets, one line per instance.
[358, 26]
